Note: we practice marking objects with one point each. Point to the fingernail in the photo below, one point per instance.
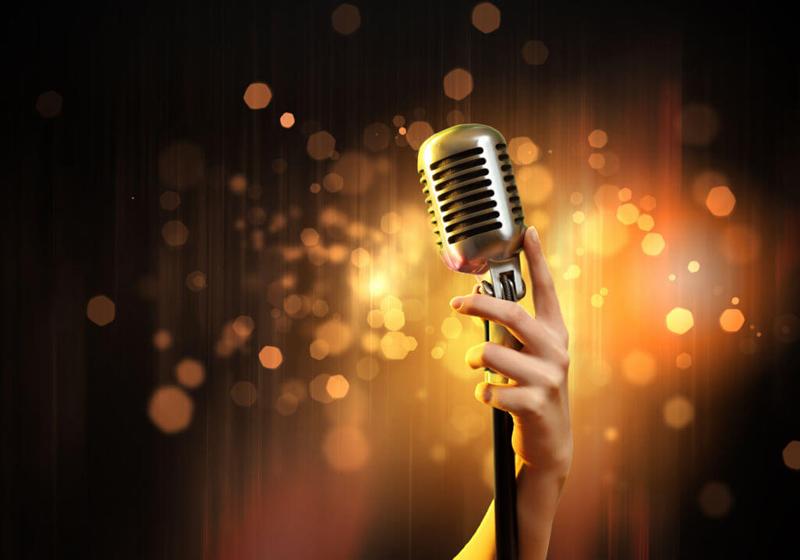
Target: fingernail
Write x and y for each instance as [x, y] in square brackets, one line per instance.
[483, 392]
[456, 303]
[473, 355]
[534, 235]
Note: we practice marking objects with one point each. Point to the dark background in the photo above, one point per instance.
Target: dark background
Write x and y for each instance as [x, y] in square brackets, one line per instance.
[78, 193]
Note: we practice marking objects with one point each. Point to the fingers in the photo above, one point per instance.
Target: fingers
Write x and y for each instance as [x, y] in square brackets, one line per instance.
[520, 401]
[510, 314]
[522, 368]
[544, 291]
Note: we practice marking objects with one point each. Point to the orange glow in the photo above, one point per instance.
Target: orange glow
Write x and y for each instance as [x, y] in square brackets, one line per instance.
[287, 120]
[337, 386]
[346, 449]
[190, 373]
[678, 412]
[101, 310]
[731, 320]
[627, 213]
[720, 201]
[598, 138]
[170, 409]
[270, 357]
[457, 84]
[320, 145]
[417, 133]
[535, 52]
[791, 455]
[175, 233]
[715, 499]
[522, 150]
[244, 394]
[683, 360]
[346, 19]
[257, 95]
[486, 17]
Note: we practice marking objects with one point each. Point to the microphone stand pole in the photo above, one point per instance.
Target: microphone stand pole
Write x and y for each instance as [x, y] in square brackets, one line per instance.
[505, 481]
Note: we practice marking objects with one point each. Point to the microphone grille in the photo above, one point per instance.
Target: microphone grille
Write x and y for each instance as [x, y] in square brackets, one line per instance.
[469, 186]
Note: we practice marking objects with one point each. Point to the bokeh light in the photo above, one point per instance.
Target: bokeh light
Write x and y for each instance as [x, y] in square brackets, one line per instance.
[678, 412]
[287, 120]
[457, 84]
[486, 17]
[535, 52]
[679, 320]
[49, 104]
[270, 357]
[101, 310]
[190, 373]
[639, 367]
[257, 95]
[346, 19]
[731, 320]
[791, 455]
[715, 499]
[720, 201]
[170, 409]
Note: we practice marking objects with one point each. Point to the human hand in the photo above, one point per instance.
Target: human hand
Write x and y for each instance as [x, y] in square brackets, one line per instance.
[536, 395]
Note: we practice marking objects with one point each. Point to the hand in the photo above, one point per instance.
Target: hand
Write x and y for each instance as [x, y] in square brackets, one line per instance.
[537, 396]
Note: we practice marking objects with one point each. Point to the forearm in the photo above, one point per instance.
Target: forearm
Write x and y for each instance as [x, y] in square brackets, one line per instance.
[538, 493]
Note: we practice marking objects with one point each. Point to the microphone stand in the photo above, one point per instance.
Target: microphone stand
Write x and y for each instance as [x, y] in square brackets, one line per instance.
[503, 286]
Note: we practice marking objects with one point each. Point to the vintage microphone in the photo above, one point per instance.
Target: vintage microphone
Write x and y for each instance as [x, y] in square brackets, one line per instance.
[477, 218]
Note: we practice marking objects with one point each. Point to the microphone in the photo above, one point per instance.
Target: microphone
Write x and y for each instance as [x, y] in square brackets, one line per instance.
[479, 225]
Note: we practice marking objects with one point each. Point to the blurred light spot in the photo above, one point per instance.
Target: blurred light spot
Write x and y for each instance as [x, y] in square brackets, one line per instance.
[370, 341]
[357, 171]
[451, 328]
[611, 434]
[333, 182]
[597, 161]
[731, 320]
[49, 104]
[625, 194]
[578, 217]
[438, 453]
[319, 349]
[237, 183]
[683, 360]
[457, 84]
[190, 373]
[535, 52]
[535, 183]
[522, 150]
[437, 352]
[402, 131]
[287, 120]
[398, 120]
[627, 213]
[576, 198]
[394, 319]
[270, 357]
[639, 367]
[100, 310]
[315, 188]
[715, 499]
[699, 124]
[653, 244]
[196, 281]
[320, 145]
[279, 165]
[598, 138]
[720, 201]
[243, 326]
[169, 200]
[162, 339]
[678, 412]
[394, 346]
[346, 19]
[244, 393]
[735, 300]
[486, 17]
[606, 197]
[309, 237]
[320, 308]
[645, 222]
[573, 271]
[175, 233]
[170, 409]
[679, 320]
[337, 386]
[367, 368]
[740, 244]
[375, 318]
[257, 95]
[318, 388]
[417, 133]
[671, 277]
[693, 266]
[346, 449]
[597, 300]
[791, 455]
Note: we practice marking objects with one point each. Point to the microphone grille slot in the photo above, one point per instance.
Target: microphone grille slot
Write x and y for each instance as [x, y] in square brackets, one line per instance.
[511, 187]
[429, 202]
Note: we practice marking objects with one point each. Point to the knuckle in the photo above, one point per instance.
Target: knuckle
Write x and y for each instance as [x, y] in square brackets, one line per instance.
[517, 314]
[562, 358]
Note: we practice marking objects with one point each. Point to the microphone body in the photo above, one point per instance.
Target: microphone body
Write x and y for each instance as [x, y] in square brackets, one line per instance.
[477, 218]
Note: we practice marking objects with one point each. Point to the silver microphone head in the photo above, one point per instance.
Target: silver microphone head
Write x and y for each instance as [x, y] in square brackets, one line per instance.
[473, 202]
